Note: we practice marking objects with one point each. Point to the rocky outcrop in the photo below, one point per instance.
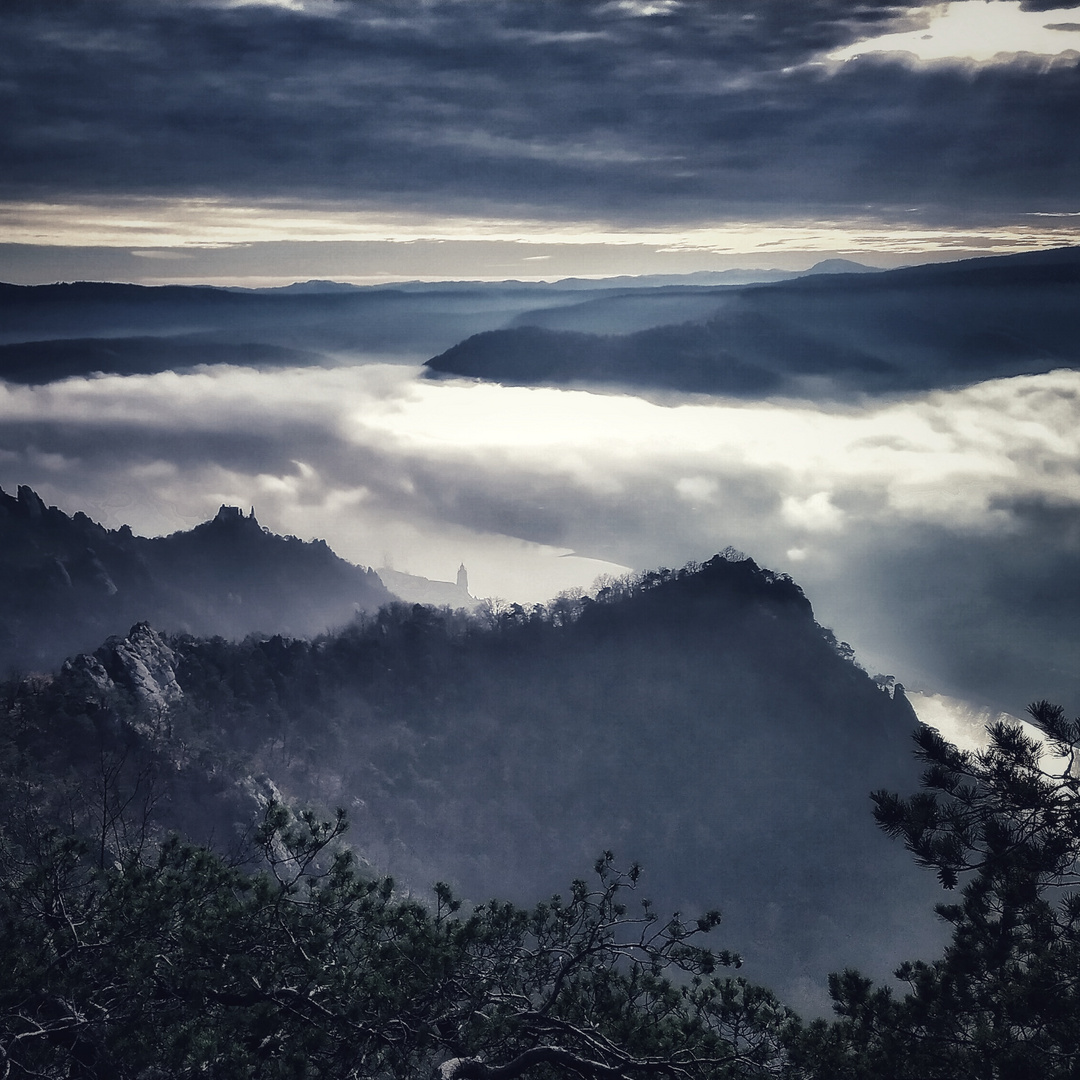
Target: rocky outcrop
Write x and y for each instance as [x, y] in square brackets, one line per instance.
[30, 503]
[141, 663]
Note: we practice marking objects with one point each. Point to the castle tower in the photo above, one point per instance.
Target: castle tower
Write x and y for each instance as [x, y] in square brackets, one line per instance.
[463, 578]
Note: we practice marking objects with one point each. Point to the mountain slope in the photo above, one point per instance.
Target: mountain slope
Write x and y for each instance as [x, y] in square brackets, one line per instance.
[50, 332]
[700, 722]
[81, 327]
[914, 328]
[66, 583]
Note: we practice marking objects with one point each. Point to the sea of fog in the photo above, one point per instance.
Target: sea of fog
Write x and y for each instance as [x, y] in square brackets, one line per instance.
[938, 533]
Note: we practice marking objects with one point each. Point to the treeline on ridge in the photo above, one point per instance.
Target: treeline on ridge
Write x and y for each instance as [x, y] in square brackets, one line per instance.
[690, 718]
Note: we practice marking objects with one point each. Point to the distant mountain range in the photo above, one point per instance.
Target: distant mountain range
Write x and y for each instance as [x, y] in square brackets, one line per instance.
[83, 327]
[835, 330]
[50, 332]
[829, 335]
[66, 583]
[620, 281]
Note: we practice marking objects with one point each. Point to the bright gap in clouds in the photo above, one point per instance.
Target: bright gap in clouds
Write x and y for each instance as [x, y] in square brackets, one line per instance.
[980, 31]
[902, 519]
[167, 228]
[963, 724]
[522, 482]
[942, 456]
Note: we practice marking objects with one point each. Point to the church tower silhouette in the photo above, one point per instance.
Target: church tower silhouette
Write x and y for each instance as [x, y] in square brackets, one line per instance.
[463, 578]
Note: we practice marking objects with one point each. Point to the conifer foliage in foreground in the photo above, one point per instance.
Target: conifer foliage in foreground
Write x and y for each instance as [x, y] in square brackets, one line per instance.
[129, 957]
[1003, 1002]
[172, 962]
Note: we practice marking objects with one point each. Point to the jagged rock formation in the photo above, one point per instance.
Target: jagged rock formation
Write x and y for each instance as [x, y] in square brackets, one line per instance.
[66, 583]
[141, 663]
[111, 747]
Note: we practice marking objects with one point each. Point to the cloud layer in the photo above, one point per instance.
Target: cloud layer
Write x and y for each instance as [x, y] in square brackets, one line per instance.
[939, 533]
[570, 109]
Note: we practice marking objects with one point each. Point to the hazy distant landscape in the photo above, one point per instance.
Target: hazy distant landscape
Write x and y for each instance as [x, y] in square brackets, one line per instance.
[899, 442]
[847, 344]
[539, 540]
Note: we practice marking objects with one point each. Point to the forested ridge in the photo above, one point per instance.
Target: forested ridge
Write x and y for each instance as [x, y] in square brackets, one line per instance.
[831, 336]
[168, 907]
[67, 583]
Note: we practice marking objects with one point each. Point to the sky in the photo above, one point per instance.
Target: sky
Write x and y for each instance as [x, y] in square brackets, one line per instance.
[248, 143]
[237, 142]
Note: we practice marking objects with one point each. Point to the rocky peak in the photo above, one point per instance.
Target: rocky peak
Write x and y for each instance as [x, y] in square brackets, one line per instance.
[141, 662]
[66, 583]
[30, 502]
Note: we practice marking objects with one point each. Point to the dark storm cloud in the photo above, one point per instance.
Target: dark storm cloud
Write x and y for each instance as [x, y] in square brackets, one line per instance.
[556, 108]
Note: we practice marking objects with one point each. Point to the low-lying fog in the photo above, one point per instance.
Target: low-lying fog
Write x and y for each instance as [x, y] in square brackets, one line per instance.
[937, 533]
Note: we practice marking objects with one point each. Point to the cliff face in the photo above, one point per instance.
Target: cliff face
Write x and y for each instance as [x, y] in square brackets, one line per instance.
[66, 583]
[141, 663]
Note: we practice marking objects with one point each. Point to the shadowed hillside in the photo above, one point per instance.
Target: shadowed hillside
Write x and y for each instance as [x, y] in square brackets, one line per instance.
[66, 583]
[53, 331]
[911, 329]
[50, 332]
[40, 362]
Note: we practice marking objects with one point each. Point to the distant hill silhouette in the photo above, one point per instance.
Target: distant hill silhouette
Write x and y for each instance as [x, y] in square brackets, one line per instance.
[910, 329]
[668, 299]
[67, 582]
[50, 332]
[81, 327]
[36, 363]
[39, 362]
[841, 266]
